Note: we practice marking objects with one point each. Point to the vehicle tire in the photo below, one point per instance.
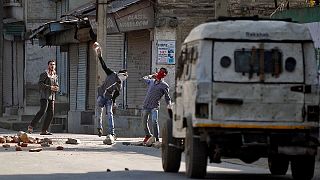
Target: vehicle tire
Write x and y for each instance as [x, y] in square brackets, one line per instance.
[278, 164]
[195, 154]
[302, 167]
[171, 156]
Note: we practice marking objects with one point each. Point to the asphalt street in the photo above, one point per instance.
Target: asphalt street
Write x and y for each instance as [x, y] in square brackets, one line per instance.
[91, 159]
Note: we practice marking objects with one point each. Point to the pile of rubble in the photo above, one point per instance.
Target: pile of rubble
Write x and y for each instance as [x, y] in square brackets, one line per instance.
[23, 139]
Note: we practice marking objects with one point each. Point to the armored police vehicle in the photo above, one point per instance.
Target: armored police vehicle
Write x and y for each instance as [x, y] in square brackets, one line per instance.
[245, 89]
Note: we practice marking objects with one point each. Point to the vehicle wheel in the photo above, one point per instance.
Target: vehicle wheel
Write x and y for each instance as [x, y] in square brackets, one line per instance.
[302, 167]
[195, 155]
[278, 164]
[171, 156]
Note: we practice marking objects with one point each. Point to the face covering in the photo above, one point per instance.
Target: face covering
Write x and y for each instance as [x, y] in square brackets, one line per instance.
[161, 75]
[122, 76]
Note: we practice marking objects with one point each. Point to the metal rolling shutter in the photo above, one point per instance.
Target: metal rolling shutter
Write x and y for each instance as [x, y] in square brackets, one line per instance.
[139, 56]
[73, 61]
[7, 74]
[82, 77]
[59, 9]
[115, 60]
[92, 62]
[15, 74]
[62, 70]
[20, 70]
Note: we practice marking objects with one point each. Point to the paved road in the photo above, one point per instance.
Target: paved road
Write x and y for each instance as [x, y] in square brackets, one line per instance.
[91, 159]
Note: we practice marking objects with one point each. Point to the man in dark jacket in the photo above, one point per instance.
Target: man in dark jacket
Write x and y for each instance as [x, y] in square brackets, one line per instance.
[107, 93]
[48, 86]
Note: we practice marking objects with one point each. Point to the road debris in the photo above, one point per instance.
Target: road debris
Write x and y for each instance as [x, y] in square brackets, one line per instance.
[18, 148]
[73, 141]
[60, 148]
[35, 150]
[6, 145]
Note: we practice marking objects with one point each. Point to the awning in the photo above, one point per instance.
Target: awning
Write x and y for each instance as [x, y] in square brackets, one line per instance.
[57, 33]
[123, 16]
[13, 29]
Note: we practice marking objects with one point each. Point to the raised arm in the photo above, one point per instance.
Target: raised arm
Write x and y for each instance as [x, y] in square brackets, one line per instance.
[97, 48]
[107, 70]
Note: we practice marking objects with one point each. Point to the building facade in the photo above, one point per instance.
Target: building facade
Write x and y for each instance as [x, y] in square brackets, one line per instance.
[141, 36]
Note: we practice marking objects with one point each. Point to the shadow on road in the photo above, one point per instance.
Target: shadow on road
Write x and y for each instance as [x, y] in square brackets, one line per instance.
[138, 175]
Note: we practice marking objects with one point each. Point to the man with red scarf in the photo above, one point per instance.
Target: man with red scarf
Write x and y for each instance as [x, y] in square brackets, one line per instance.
[157, 87]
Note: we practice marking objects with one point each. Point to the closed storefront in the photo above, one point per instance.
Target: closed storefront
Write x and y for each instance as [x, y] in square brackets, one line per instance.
[92, 76]
[78, 76]
[138, 63]
[82, 77]
[13, 65]
[73, 61]
[115, 60]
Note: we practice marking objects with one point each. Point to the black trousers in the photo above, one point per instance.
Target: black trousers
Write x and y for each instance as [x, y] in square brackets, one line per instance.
[46, 107]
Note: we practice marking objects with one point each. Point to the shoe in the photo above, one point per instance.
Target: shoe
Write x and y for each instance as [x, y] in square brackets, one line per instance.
[109, 140]
[30, 129]
[100, 132]
[150, 141]
[146, 138]
[114, 136]
[46, 133]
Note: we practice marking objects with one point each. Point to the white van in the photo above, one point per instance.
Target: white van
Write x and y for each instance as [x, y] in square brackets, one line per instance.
[245, 89]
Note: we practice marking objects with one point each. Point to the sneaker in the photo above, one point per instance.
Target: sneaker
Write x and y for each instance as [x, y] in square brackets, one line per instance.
[146, 138]
[100, 132]
[150, 141]
[109, 140]
[30, 129]
[114, 136]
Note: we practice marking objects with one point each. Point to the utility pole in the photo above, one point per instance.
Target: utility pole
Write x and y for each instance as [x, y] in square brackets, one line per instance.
[102, 40]
[1, 56]
[221, 8]
[102, 34]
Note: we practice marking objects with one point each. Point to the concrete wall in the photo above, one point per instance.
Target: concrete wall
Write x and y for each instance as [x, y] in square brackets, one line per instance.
[43, 10]
[76, 3]
[174, 21]
[38, 12]
[263, 8]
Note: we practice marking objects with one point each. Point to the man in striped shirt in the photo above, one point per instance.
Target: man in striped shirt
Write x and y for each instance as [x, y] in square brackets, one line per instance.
[157, 87]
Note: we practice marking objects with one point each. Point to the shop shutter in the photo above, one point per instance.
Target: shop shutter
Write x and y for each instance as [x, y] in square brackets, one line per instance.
[73, 61]
[20, 76]
[59, 9]
[115, 60]
[82, 77]
[7, 74]
[62, 71]
[92, 62]
[138, 63]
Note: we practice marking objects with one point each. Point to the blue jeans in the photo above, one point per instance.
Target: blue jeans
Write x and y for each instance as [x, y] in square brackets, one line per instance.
[105, 103]
[154, 117]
